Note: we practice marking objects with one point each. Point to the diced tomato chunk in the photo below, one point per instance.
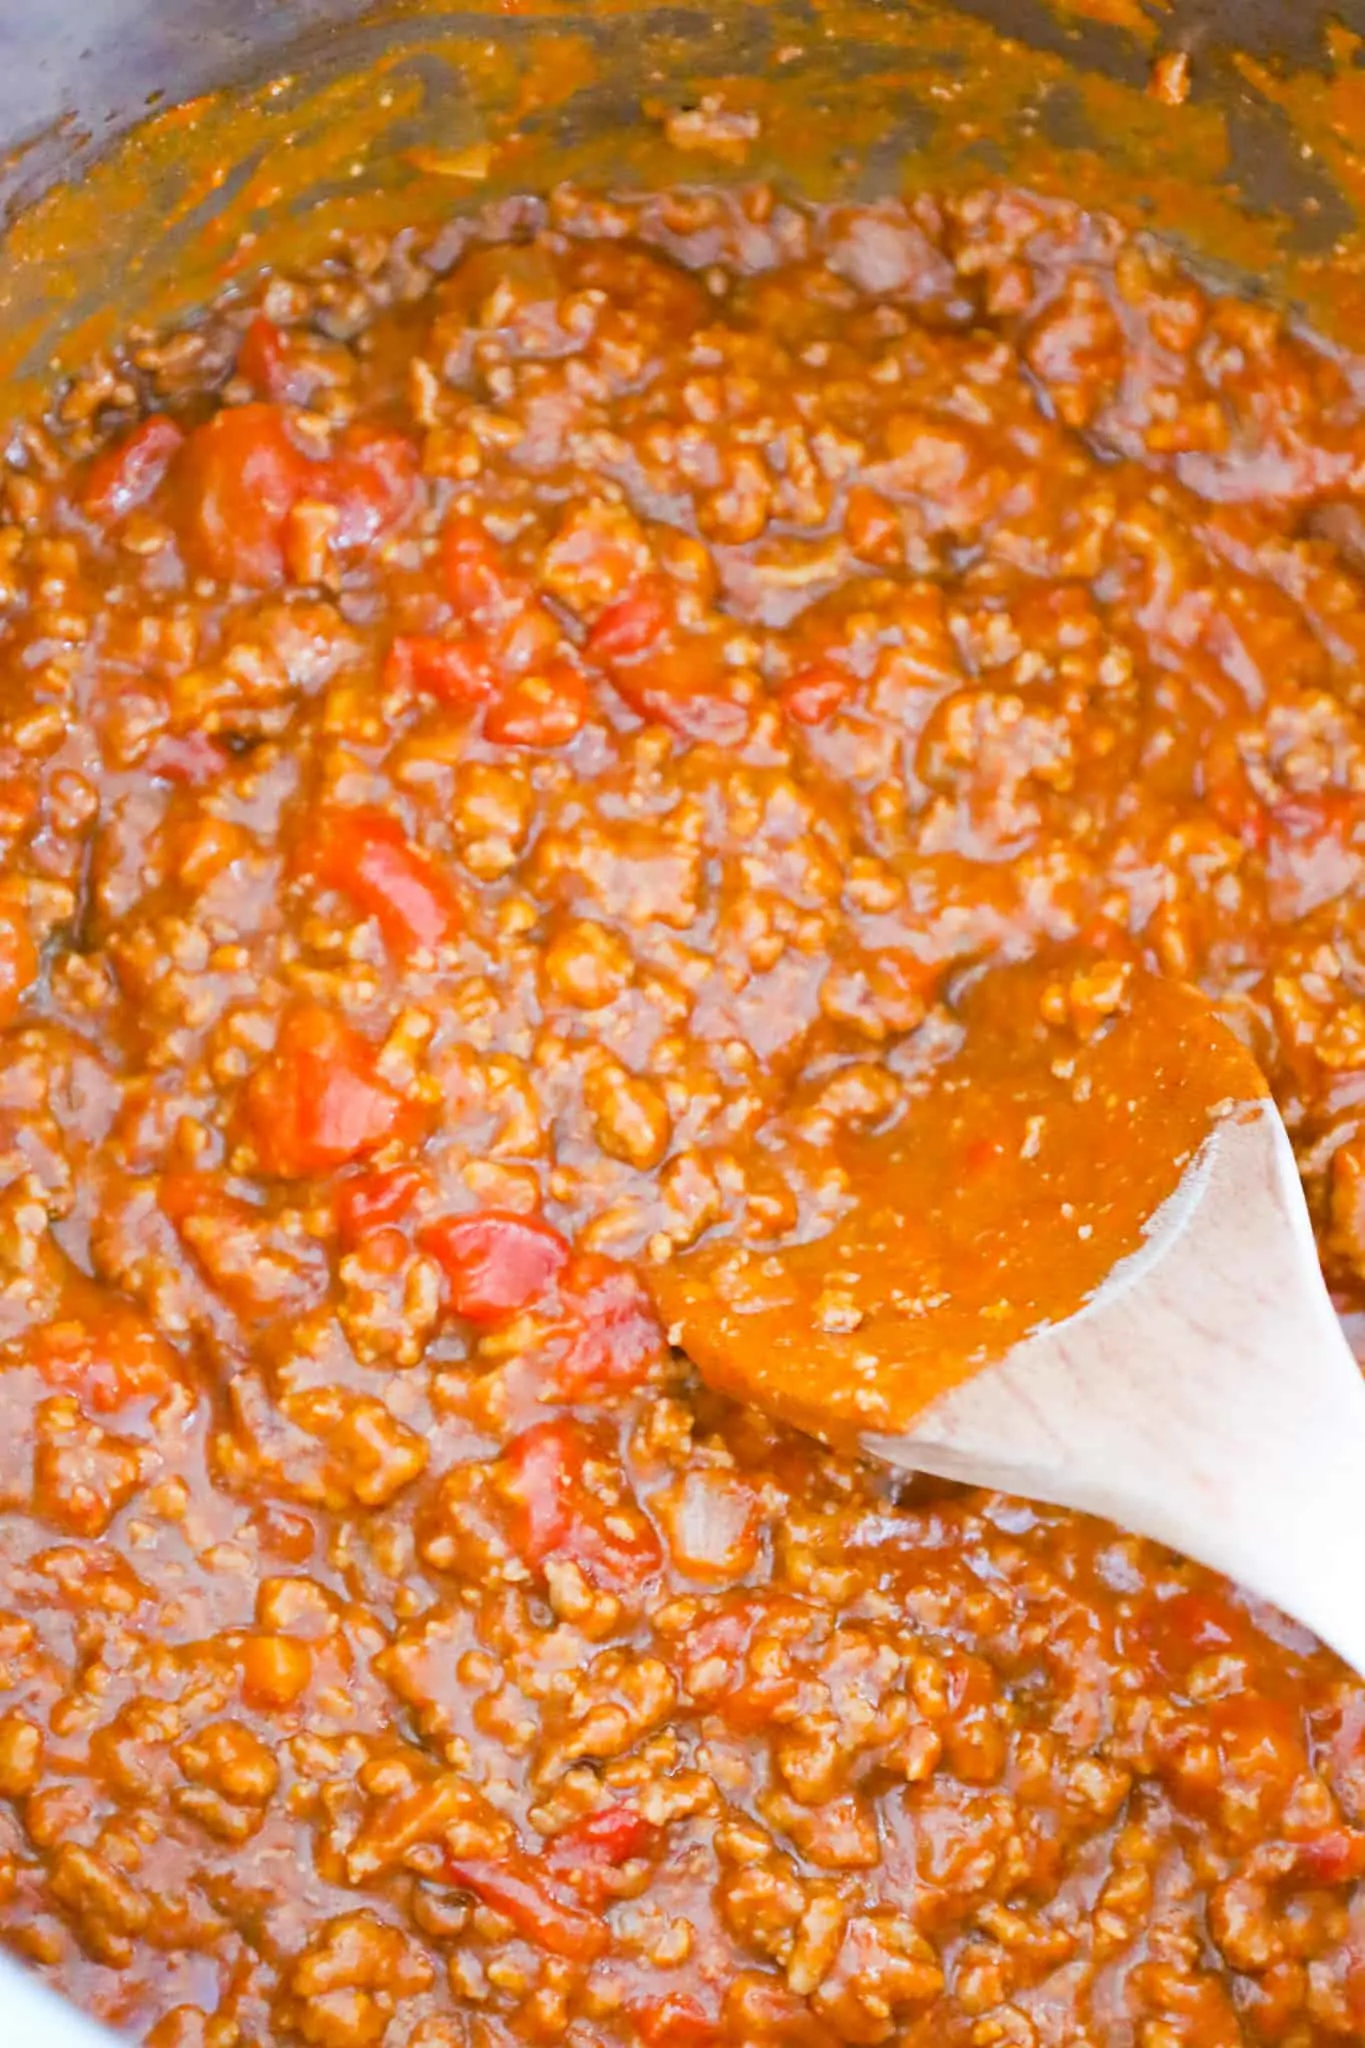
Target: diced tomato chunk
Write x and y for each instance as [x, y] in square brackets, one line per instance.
[1336, 1856]
[670, 677]
[375, 1200]
[717, 1667]
[528, 640]
[372, 479]
[583, 1853]
[479, 583]
[815, 693]
[453, 671]
[494, 1262]
[268, 359]
[608, 1838]
[107, 1363]
[317, 1102]
[545, 708]
[243, 476]
[127, 474]
[612, 1335]
[535, 697]
[366, 855]
[675, 2021]
[544, 1465]
[559, 1515]
[509, 1886]
[244, 473]
[634, 623]
[261, 356]
[682, 686]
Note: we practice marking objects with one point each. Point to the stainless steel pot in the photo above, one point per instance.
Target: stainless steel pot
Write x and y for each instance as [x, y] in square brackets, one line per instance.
[112, 206]
[1257, 169]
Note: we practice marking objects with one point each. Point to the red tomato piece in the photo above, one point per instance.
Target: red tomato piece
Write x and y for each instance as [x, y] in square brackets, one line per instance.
[677, 686]
[583, 1853]
[454, 671]
[545, 1465]
[675, 2021]
[106, 1363]
[243, 476]
[317, 1102]
[130, 472]
[376, 1200]
[365, 854]
[528, 640]
[633, 624]
[545, 708]
[1337, 1856]
[716, 1658]
[479, 582]
[559, 1515]
[668, 678]
[512, 1888]
[495, 1262]
[267, 358]
[372, 479]
[612, 1336]
[815, 693]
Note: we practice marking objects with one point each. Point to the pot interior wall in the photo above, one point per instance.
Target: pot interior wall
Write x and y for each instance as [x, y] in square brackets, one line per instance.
[305, 117]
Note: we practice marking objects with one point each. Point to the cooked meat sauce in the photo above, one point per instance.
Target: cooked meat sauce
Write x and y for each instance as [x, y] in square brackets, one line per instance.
[1018, 1179]
[487, 732]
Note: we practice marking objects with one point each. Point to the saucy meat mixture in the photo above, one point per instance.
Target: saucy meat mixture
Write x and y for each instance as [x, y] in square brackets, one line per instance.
[1021, 1177]
[486, 731]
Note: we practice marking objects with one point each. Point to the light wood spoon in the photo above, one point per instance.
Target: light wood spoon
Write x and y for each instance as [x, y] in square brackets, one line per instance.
[1078, 1267]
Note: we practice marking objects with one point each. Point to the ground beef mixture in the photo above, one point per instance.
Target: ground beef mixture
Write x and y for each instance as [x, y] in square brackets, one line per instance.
[482, 730]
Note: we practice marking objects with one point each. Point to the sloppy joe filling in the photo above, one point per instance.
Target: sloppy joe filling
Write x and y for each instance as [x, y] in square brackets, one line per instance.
[489, 733]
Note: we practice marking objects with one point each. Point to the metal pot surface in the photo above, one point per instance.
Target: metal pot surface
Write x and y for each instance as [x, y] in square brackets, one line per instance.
[312, 114]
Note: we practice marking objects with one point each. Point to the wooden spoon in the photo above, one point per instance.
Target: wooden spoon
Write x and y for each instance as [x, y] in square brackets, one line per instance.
[1077, 1267]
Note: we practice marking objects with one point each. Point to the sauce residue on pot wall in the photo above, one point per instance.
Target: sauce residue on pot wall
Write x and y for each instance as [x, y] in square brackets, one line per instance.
[847, 96]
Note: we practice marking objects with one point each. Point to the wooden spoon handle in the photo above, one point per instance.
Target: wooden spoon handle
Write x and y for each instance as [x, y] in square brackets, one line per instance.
[1206, 1397]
